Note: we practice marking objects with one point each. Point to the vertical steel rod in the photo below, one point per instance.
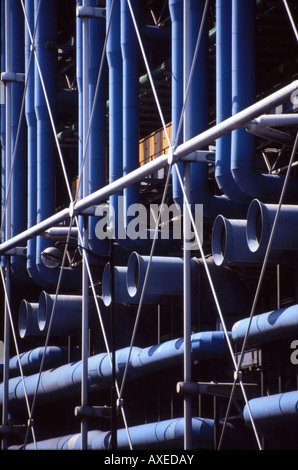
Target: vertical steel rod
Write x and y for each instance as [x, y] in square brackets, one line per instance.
[85, 279]
[186, 233]
[8, 214]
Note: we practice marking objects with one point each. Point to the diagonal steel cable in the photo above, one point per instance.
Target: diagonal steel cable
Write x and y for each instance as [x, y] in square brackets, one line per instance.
[291, 19]
[186, 95]
[215, 296]
[261, 277]
[149, 73]
[50, 326]
[95, 99]
[145, 281]
[17, 351]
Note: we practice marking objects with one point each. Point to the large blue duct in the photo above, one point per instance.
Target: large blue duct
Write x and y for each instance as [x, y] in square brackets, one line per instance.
[223, 173]
[18, 138]
[230, 245]
[65, 381]
[260, 220]
[114, 59]
[130, 96]
[265, 187]
[274, 411]
[266, 327]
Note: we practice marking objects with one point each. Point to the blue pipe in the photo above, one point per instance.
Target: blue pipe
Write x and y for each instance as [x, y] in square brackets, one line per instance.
[67, 315]
[65, 381]
[30, 361]
[269, 326]
[2, 117]
[265, 187]
[130, 94]
[97, 138]
[260, 219]
[156, 435]
[165, 276]
[115, 104]
[176, 12]
[229, 244]
[223, 175]
[275, 411]
[28, 319]
[18, 147]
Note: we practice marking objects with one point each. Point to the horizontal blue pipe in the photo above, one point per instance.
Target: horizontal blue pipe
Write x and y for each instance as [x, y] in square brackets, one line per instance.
[153, 435]
[30, 360]
[65, 381]
[269, 326]
[260, 220]
[165, 275]
[275, 411]
[229, 244]
[67, 313]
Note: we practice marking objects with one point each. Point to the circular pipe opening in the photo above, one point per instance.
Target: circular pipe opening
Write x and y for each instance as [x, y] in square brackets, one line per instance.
[133, 274]
[219, 240]
[106, 285]
[255, 222]
[23, 318]
[42, 310]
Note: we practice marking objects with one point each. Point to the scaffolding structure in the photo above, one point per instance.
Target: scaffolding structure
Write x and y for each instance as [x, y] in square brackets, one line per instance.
[137, 337]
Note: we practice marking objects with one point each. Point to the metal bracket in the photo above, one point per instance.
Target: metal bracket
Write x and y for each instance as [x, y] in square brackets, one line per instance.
[91, 12]
[93, 411]
[12, 77]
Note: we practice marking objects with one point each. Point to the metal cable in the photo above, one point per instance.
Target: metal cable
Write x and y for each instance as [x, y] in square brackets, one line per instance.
[145, 282]
[149, 73]
[291, 18]
[94, 100]
[212, 287]
[17, 352]
[191, 72]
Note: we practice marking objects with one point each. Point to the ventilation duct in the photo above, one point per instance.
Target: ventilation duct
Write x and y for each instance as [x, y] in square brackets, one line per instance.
[269, 326]
[65, 381]
[274, 411]
[230, 246]
[260, 219]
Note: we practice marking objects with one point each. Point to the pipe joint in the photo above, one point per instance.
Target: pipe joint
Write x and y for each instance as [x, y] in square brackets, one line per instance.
[91, 12]
[12, 77]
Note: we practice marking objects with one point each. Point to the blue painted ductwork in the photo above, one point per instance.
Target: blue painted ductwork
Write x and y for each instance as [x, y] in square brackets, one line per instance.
[65, 381]
[165, 276]
[274, 411]
[130, 96]
[270, 326]
[176, 12]
[67, 316]
[28, 319]
[230, 246]
[156, 435]
[30, 361]
[265, 187]
[114, 59]
[223, 175]
[260, 220]
[18, 139]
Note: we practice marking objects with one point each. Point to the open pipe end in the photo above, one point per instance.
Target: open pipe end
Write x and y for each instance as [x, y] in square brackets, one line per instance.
[106, 285]
[255, 225]
[44, 307]
[133, 274]
[27, 319]
[219, 240]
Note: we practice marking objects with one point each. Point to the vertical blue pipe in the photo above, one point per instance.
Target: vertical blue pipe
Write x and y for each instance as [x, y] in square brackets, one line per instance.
[2, 107]
[130, 49]
[223, 173]
[46, 34]
[176, 12]
[97, 139]
[115, 104]
[18, 139]
[31, 141]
